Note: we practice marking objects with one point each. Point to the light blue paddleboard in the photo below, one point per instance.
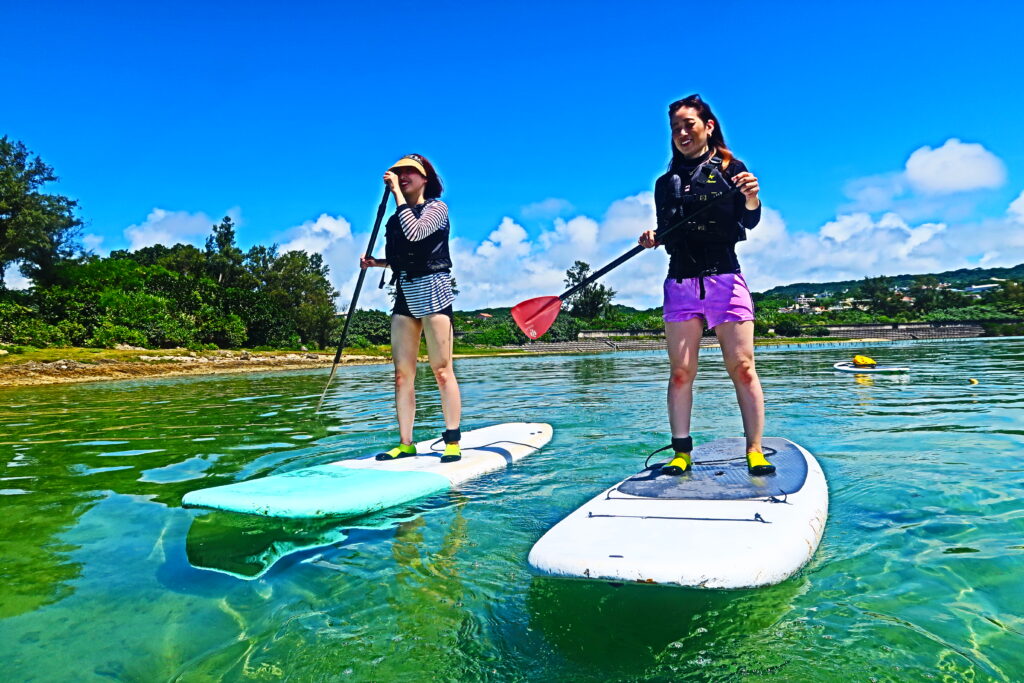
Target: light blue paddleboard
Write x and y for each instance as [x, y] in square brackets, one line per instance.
[349, 488]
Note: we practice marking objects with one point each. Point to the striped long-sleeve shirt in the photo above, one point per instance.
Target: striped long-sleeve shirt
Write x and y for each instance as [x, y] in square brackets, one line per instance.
[434, 217]
[431, 293]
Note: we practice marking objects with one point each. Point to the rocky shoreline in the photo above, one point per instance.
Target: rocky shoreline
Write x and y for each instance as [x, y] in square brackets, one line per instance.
[179, 362]
[65, 371]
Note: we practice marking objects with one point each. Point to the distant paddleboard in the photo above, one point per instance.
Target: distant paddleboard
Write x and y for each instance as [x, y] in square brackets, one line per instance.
[349, 488]
[715, 526]
[849, 366]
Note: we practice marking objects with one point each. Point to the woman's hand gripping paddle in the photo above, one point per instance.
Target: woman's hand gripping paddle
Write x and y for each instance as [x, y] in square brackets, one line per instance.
[536, 316]
[355, 294]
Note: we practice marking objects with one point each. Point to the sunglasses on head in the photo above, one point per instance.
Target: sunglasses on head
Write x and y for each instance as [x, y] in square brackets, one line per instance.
[690, 101]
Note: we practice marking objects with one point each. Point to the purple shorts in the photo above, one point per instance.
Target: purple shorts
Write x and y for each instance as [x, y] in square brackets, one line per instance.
[726, 299]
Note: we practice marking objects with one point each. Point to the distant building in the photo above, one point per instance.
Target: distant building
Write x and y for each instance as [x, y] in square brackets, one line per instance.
[975, 291]
[980, 289]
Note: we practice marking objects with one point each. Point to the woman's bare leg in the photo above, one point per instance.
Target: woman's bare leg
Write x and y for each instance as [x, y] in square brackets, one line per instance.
[683, 345]
[405, 346]
[737, 341]
[438, 330]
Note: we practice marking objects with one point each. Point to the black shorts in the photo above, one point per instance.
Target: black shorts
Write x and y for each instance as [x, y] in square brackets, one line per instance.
[402, 308]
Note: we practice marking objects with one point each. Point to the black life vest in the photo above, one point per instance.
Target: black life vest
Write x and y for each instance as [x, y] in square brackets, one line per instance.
[706, 183]
[428, 255]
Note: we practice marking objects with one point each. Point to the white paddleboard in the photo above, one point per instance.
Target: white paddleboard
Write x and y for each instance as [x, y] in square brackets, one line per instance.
[848, 366]
[716, 526]
[359, 486]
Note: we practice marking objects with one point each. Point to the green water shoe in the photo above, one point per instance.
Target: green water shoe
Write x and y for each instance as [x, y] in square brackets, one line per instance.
[451, 438]
[402, 450]
[682, 460]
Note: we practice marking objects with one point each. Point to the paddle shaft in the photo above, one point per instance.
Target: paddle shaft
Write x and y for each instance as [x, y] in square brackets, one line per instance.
[362, 275]
[639, 248]
[596, 274]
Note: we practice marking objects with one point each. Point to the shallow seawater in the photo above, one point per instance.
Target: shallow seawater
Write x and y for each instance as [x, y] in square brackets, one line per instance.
[103, 575]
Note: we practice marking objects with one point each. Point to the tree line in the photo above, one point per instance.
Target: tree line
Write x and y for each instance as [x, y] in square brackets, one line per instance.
[158, 296]
[875, 300]
[220, 296]
[881, 300]
[956, 278]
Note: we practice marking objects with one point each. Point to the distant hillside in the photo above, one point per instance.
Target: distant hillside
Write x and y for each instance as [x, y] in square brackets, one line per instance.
[490, 311]
[958, 278]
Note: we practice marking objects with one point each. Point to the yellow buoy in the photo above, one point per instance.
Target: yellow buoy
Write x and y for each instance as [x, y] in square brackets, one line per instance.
[972, 381]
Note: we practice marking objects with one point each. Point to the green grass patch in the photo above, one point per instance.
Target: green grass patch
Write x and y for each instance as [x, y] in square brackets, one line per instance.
[75, 353]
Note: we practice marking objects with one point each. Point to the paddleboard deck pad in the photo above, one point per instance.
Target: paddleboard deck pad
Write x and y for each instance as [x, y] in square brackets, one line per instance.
[849, 366]
[359, 486]
[715, 526]
[720, 473]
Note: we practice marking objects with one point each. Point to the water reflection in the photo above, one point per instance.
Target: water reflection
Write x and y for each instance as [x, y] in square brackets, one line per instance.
[41, 573]
[247, 546]
[72, 447]
[624, 630]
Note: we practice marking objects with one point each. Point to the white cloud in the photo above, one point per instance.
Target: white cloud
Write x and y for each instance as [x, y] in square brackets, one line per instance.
[1016, 210]
[513, 263]
[171, 227]
[888, 245]
[845, 227]
[548, 208]
[92, 242]
[13, 279]
[511, 266]
[877, 192]
[332, 237]
[508, 238]
[916, 237]
[627, 218]
[780, 257]
[503, 269]
[934, 184]
[315, 236]
[955, 167]
[575, 238]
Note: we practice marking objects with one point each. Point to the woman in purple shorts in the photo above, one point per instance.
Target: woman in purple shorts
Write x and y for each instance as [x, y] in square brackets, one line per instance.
[704, 283]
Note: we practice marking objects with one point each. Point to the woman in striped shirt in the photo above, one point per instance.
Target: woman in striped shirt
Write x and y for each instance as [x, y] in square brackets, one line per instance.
[417, 253]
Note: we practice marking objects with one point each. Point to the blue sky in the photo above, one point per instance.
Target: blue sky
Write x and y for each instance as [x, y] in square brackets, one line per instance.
[886, 136]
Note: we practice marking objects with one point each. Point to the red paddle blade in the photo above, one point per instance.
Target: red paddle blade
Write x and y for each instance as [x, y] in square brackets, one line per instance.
[535, 316]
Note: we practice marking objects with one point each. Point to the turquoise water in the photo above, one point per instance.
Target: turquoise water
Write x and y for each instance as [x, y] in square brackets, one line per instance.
[104, 575]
